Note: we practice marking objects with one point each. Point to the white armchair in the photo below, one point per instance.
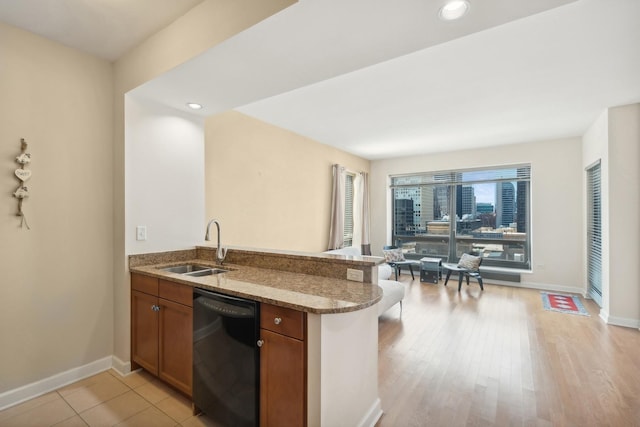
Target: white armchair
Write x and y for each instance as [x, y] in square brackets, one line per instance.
[392, 291]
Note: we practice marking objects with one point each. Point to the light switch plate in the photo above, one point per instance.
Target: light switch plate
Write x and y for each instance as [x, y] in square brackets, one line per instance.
[355, 275]
[141, 232]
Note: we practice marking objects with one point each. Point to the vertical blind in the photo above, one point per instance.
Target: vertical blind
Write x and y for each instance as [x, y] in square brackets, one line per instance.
[594, 233]
[511, 173]
[348, 210]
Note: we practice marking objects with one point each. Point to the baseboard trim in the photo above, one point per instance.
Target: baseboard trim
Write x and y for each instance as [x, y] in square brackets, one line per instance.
[621, 321]
[539, 286]
[121, 367]
[373, 415]
[38, 388]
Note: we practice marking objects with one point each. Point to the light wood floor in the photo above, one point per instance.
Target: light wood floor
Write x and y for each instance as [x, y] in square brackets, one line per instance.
[496, 358]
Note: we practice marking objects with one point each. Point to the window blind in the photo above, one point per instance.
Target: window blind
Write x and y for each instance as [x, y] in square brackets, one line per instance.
[348, 210]
[594, 233]
[512, 173]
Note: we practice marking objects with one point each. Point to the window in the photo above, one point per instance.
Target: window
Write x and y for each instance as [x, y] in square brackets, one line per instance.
[348, 209]
[484, 211]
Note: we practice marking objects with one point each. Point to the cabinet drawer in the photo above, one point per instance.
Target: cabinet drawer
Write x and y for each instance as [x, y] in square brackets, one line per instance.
[176, 292]
[146, 284]
[283, 320]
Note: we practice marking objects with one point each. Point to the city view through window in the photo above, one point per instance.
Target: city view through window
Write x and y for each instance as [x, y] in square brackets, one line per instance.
[446, 214]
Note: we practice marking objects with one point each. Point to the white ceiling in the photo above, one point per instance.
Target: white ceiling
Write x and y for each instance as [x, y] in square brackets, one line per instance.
[543, 77]
[104, 28]
[383, 78]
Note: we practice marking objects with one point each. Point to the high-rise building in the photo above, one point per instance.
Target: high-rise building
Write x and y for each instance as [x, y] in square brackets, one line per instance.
[521, 212]
[465, 200]
[403, 217]
[486, 214]
[468, 201]
[423, 203]
[505, 204]
[440, 201]
[483, 208]
[426, 206]
[413, 194]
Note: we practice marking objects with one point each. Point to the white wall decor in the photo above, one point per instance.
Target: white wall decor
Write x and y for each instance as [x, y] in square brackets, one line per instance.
[23, 175]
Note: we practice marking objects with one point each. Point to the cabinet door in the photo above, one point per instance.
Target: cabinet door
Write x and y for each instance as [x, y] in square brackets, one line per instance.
[144, 331]
[176, 346]
[283, 388]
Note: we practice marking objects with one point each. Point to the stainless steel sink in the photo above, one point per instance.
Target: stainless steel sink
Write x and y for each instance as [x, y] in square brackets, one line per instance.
[207, 272]
[193, 270]
[185, 268]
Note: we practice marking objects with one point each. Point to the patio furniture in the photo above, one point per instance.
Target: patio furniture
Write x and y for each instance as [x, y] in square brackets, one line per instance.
[430, 269]
[468, 266]
[395, 258]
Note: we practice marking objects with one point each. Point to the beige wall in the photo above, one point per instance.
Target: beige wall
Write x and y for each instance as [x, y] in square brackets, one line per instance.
[624, 206]
[56, 291]
[595, 147]
[269, 187]
[556, 202]
[64, 299]
[206, 25]
[614, 139]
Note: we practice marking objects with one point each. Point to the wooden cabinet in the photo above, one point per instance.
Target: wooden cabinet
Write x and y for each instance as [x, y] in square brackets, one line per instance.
[144, 331]
[283, 362]
[161, 329]
[162, 344]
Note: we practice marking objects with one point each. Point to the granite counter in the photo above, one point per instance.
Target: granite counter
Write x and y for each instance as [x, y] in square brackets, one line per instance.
[305, 292]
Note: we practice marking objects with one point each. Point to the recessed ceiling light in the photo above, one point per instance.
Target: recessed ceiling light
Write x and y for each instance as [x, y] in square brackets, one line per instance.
[454, 9]
[194, 106]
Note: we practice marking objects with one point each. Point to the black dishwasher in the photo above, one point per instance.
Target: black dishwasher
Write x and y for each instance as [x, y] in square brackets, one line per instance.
[226, 364]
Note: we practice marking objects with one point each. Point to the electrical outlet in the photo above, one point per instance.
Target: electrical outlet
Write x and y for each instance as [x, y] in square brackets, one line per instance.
[141, 232]
[355, 275]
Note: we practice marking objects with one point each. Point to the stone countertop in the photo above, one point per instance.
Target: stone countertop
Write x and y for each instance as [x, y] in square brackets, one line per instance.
[304, 292]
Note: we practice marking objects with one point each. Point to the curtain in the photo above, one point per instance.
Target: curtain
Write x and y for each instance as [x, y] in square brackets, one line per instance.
[361, 213]
[336, 227]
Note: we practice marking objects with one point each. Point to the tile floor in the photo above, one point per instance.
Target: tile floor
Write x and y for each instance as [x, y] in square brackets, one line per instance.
[107, 399]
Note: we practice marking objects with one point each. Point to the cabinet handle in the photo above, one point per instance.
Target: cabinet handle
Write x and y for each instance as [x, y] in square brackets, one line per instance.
[155, 308]
[277, 320]
[260, 343]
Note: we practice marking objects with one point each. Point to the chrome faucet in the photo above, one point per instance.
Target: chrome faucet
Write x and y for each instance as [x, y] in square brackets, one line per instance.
[221, 252]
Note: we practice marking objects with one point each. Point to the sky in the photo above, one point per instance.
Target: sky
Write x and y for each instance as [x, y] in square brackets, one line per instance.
[485, 193]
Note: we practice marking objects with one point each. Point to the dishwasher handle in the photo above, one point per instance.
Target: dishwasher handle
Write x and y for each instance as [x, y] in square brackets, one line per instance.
[224, 305]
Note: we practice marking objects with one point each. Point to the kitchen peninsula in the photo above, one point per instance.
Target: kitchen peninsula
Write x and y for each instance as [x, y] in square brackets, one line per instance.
[339, 317]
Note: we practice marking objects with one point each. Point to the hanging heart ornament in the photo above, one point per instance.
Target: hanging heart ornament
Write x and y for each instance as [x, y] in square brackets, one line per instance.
[23, 174]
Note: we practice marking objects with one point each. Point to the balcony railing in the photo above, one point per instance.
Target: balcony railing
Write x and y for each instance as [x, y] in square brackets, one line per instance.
[505, 252]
